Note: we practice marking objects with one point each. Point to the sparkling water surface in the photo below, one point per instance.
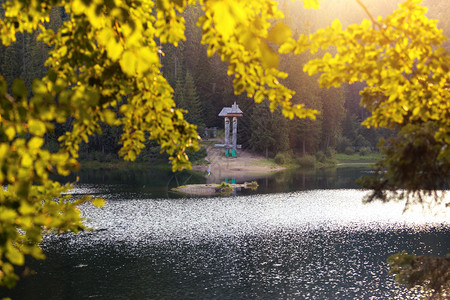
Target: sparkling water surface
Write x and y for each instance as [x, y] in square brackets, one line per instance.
[314, 244]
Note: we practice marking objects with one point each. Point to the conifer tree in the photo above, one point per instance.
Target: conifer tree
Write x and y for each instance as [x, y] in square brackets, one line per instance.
[206, 86]
[268, 132]
[178, 95]
[332, 116]
[192, 102]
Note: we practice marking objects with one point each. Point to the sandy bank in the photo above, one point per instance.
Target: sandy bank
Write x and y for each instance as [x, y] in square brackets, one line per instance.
[246, 166]
[213, 189]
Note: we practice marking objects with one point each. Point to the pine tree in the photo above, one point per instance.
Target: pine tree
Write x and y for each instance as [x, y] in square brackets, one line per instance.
[205, 82]
[192, 102]
[178, 95]
[268, 132]
[35, 55]
[304, 133]
[332, 116]
[11, 67]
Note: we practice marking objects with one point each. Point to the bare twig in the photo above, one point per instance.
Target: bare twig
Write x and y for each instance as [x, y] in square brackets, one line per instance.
[374, 21]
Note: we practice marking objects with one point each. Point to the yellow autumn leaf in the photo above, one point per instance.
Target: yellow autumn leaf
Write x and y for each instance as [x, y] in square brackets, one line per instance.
[35, 142]
[14, 255]
[311, 4]
[36, 127]
[270, 58]
[10, 132]
[128, 63]
[223, 19]
[98, 202]
[26, 160]
[279, 33]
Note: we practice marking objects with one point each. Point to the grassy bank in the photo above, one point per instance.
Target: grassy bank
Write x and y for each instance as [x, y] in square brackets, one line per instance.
[98, 161]
[284, 160]
[343, 158]
[120, 165]
[268, 162]
[319, 160]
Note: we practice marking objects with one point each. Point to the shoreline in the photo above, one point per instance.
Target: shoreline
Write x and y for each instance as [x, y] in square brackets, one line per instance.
[246, 166]
[213, 189]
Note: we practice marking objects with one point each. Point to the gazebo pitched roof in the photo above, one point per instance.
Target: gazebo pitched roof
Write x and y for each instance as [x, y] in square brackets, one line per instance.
[233, 111]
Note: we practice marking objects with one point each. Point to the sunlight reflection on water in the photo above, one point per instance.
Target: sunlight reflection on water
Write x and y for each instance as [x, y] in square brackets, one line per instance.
[318, 244]
[206, 218]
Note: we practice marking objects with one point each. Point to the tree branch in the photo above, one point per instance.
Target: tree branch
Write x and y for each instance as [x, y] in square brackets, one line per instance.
[374, 21]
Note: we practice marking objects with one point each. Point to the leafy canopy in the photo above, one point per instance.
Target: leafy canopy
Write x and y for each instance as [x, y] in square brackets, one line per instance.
[104, 67]
[406, 71]
[432, 273]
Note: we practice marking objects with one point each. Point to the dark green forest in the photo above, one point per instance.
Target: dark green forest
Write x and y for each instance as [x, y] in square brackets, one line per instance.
[202, 87]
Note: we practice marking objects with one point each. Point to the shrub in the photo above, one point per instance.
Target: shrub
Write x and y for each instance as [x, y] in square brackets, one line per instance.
[330, 157]
[364, 151]
[224, 189]
[320, 156]
[331, 153]
[109, 157]
[349, 151]
[223, 184]
[281, 159]
[252, 185]
[307, 161]
[96, 155]
[342, 144]
[361, 141]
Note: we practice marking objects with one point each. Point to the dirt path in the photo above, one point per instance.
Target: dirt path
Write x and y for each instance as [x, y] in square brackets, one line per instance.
[243, 167]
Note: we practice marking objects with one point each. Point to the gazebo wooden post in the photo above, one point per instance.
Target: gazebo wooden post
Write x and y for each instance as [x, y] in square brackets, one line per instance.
[227, 132]
[230, 112]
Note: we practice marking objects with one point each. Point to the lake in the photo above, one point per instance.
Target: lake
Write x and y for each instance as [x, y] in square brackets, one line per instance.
[301, 235]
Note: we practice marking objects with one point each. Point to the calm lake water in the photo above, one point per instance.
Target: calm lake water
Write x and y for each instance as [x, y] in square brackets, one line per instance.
[301, 235]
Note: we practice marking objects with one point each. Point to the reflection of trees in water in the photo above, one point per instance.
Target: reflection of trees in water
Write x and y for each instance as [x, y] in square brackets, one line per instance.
[163, 180]
[136, 177]
[308, 179]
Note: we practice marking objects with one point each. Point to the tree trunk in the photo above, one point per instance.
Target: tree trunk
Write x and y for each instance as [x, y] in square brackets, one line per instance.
[304, 147]
[175, 68]
[24, 63]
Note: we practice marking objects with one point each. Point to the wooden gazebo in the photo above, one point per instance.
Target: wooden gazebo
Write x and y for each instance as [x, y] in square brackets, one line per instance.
[233, 112]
